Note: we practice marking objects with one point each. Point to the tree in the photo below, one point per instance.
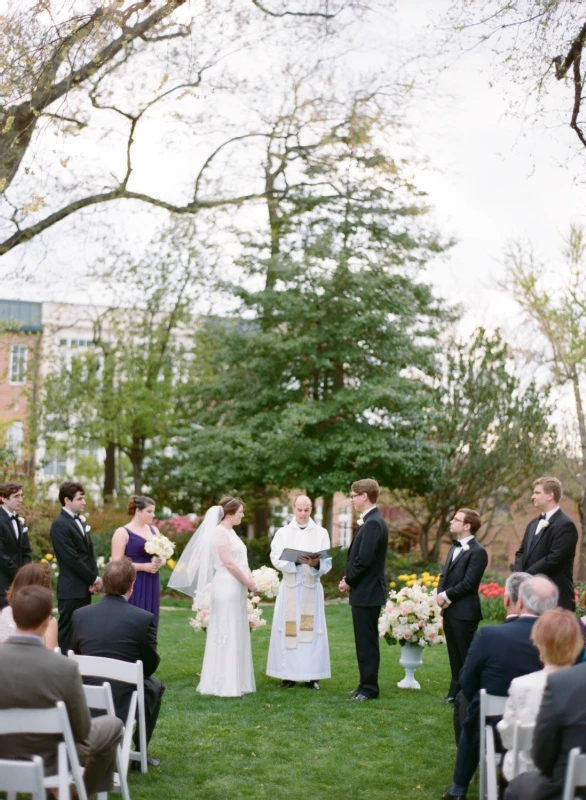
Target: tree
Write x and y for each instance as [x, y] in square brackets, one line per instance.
[535, 41]
[314, 379]
[556, 310]
[122, 393]
[490, 436]
[99, 70]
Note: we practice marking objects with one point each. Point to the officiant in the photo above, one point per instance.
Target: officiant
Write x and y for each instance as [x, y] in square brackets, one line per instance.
[299, 650]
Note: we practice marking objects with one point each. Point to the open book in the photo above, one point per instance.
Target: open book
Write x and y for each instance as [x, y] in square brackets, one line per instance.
[294, 555]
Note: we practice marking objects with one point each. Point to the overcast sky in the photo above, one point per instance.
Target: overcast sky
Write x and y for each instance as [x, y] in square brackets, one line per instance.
[490, 178]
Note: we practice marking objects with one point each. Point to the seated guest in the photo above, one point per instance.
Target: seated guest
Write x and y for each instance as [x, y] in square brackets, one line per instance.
[35, 677]
[113, 628]
[498, 654]
[560, 726]
[30, 575]
[557, 637]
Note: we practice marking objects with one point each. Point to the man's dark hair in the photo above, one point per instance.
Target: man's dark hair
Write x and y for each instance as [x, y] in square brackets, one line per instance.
[8, 489]
[69, 489]
[31, 606]
[119, 576]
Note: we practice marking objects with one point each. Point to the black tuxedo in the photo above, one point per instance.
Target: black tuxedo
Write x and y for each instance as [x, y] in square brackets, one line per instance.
[551, 554]
[78, 570]
[560, 726]
[14, 553]
[498, 654]
[365, 574]
[113, 628]
[460, 580]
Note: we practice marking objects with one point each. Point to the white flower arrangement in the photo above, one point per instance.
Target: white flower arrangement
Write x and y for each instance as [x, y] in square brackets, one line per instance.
[159, 546]
[101, 562]
[267, 581]
[412, 616]
[201, 620]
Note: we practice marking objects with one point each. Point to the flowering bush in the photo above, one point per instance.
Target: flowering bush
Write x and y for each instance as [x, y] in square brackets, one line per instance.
[267, 581]
[491, 601]
[49, 559]
[425, 579]
[412, 616]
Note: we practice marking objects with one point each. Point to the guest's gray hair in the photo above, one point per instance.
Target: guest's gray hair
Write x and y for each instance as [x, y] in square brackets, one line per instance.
[538, 595]
[513, 584]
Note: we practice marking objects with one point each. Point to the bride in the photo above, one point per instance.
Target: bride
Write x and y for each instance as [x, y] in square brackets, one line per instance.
[214, 565]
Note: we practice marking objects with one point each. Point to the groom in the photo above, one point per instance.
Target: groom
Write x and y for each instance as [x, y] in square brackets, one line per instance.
[366, 583]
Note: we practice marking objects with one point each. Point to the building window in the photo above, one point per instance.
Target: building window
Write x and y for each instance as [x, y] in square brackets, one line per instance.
[15, 439]
[56, 464]
[345, 532]
[18, 356]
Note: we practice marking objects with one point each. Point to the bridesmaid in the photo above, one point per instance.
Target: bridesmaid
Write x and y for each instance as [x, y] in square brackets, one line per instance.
[129, 541]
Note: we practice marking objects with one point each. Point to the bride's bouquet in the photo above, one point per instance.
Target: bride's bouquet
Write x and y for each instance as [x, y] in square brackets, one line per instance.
[202, 613]
[412, 616]
[159, 546]
[267, 581]
[254, 612]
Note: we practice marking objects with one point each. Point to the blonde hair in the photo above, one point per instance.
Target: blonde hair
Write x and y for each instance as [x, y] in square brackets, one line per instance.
[550, 486]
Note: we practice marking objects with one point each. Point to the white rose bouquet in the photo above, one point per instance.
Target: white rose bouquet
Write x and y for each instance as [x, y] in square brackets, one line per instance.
[267, 581]
[159, 546]
[202, 614]
[412, 616]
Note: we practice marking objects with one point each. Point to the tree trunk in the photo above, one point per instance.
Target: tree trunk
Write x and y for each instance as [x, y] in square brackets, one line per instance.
[582, 505]
[261, 521]
[328, 513]
[137, 460]
[110, 472]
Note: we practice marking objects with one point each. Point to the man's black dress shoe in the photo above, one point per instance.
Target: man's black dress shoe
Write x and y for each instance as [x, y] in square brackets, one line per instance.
[360, 697]
[312, 684]
[448, 796]
[287, 684]
[152, 762]
[448, 700]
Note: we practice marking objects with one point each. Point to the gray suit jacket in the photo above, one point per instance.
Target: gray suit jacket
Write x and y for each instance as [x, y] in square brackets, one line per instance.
[34, 677]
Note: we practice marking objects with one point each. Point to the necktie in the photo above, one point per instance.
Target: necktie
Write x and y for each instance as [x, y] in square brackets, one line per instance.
[543, 516]
[456, 543]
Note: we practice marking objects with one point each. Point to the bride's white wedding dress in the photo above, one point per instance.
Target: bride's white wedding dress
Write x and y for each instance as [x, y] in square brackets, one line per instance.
[227, 665]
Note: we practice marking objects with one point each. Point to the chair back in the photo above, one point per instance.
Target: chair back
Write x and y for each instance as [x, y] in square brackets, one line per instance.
[100, 698]
[109, 668]
[491, 705]
[22, 776]
[522, 741]
[575, 773]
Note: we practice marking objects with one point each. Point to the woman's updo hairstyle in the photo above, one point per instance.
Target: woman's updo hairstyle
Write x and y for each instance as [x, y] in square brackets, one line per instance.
[138, 502]
[230, 505]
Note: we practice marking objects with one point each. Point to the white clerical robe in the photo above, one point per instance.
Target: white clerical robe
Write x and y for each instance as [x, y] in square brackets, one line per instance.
[307, 660]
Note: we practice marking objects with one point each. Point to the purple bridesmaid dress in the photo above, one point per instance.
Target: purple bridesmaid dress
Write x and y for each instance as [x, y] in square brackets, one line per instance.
[147, 589]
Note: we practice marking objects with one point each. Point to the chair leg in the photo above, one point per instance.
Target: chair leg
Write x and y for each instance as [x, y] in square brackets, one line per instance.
[142, 739]
[102, 795]
[122, 774]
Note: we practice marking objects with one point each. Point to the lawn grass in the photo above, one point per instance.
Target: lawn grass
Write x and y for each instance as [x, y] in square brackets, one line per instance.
[298, 743]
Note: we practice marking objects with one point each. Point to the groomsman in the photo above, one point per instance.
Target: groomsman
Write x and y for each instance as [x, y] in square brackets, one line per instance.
[74, 550]
[458, 591]
[549, 544]
[15, 548]
[366, 582]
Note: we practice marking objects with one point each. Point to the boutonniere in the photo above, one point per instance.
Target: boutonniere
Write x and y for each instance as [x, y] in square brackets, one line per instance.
[359, 521]
[81, 518]
[21, 520]
[545, 524]
[88, 528]
[465, 547]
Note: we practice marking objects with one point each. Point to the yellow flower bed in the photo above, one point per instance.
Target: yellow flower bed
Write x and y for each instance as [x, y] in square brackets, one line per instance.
[425, 579]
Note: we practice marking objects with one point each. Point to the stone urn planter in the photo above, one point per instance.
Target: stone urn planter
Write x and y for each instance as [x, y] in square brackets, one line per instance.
[411, 659]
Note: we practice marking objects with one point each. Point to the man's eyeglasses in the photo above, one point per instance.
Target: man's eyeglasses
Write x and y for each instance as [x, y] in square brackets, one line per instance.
[353, 495]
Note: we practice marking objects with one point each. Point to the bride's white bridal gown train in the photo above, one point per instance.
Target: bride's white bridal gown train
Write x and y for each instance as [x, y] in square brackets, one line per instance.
[227, 665]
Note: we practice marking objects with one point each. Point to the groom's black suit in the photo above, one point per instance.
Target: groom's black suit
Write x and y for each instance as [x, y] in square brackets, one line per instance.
[460, 580]
[78, 570]
[365, 574]
[551, 553]
[14, 552]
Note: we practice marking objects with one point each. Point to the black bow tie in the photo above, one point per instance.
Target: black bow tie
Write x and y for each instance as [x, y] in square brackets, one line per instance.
[13, 516]
[543, 516]
[456, 543]
[76, 516]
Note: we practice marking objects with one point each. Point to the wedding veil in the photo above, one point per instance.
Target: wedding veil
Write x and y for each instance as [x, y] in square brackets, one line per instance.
[195, 568]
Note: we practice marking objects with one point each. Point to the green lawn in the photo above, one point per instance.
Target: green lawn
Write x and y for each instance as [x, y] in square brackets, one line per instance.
[298, 743]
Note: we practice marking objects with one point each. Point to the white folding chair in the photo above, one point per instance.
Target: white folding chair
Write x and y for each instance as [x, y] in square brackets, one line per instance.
[522, 742]
[492, 792]
[53, 721]
[22, 776]
[100, 698]
[575, 773]
[111, 669]
[491, 705]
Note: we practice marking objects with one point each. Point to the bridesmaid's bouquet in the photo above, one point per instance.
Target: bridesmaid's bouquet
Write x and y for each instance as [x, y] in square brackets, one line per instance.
[254, 612]
[159, 546]
[267, 581]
